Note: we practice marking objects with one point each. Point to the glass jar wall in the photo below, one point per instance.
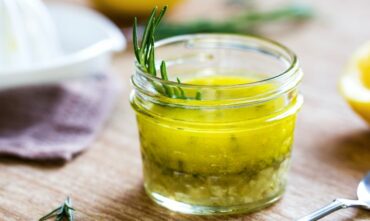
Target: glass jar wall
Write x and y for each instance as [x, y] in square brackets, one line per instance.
[224, 145]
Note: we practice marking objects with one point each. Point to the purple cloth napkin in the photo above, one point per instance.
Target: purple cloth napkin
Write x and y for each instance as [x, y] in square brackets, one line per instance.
[54, 122]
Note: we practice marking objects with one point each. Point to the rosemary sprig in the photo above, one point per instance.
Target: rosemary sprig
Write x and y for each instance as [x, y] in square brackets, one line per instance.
[63, 212]
[145, 55]
[145, 51]
[243, 23]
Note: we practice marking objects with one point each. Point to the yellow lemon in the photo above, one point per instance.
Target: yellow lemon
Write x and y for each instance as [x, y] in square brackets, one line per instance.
[363, 64]
[126, 8]
[355, 83]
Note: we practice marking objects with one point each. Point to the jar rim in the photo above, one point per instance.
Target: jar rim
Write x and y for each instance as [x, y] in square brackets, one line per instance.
[290, 70]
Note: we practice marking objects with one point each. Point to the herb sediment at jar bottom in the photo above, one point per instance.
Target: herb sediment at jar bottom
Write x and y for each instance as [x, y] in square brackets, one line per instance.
[216, 168]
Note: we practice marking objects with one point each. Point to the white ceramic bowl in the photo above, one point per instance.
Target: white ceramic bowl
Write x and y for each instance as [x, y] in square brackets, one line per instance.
[88, 40]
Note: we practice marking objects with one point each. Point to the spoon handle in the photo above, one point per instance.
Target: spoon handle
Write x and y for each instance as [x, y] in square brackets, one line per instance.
[318, 214]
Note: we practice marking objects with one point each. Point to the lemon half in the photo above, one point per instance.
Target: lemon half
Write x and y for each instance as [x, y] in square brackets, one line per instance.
[355, 83]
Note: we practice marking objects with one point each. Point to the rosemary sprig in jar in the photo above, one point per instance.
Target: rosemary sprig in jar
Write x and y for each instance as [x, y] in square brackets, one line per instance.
[145, 56]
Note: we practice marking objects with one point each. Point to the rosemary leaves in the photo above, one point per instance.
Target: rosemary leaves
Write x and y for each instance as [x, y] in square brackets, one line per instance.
[145, 56]
[145, 52]
[63, 212]
[246, 22]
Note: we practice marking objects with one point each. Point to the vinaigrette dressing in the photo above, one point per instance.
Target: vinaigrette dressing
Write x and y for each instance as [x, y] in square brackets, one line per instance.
[228, 164]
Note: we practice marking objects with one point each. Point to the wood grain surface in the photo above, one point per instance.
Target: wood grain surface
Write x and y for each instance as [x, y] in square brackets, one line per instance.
[331, 153]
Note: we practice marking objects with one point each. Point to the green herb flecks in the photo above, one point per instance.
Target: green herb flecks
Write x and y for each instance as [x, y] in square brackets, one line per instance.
[63, 212]
[145, 55]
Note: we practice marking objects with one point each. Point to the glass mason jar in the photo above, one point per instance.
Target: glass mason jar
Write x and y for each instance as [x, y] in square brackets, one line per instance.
[226, 147]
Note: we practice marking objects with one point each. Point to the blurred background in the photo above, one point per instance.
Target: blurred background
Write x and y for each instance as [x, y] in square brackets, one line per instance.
[188, 16]
[62, 119]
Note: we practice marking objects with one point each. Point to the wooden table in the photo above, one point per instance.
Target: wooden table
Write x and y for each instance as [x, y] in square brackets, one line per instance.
[331, 154]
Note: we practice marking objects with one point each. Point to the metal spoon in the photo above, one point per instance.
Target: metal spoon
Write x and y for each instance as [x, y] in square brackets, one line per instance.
[363, 195]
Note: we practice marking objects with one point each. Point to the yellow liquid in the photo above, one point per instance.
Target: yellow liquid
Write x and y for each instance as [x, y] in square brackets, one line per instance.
[220, 80]
[215, 163]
